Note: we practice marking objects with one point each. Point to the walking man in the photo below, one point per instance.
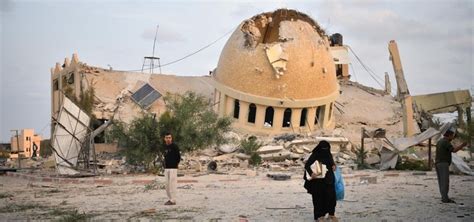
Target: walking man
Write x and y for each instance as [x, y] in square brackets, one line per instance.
[172, 158]
[444, 148]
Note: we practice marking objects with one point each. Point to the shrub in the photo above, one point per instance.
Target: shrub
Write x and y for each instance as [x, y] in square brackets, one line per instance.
[139, 140]
[250, 146]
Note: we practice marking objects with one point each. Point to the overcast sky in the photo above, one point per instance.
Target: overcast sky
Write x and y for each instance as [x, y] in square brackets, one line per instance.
[435, 39]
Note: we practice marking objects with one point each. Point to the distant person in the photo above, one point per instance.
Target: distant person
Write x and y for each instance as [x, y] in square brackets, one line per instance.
[172, 158]
[321, 187]
[444, 148]
[35, 149]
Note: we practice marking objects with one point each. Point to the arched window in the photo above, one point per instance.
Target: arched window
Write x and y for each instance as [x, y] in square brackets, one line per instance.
[252, 113]
[269, 115]
[286, 118]
[304, 113]
[236, 108]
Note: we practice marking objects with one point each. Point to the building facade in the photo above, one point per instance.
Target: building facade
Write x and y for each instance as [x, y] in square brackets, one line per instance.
[27, 144]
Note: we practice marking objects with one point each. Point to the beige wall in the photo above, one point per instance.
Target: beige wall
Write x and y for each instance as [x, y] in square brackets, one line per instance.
[26, 138]
[105, 148]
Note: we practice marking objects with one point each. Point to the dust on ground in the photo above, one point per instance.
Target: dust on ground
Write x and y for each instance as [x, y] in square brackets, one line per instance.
[370, 195]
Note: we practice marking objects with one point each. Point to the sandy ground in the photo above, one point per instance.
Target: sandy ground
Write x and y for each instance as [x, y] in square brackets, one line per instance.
[235, 197]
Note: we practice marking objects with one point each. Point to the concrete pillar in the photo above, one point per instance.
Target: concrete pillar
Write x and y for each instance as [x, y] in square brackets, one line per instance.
[295, 119]
[345, 72]
[388, 85]
[244, 112]
[278, 118]
[408, 121]
[229, 106]
[260, 116]
[326, 116]
[222, 103]
[310, 118]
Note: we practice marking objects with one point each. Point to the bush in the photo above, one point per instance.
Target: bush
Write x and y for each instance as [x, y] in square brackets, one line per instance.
[140, 140]
[361, 155]
[250, 146]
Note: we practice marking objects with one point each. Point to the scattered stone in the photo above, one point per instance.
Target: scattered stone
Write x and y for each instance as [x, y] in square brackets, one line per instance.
[244, 164]
[274, 167]
[372, 159]
[251, 173]
[286, 137]
[370, 180]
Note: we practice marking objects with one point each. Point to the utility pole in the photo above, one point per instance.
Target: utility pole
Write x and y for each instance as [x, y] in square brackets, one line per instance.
[18, 148]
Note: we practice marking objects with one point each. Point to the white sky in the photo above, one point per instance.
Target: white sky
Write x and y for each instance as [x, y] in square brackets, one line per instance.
[435, 39]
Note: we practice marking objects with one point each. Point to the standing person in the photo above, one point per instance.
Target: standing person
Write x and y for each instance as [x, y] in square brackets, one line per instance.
[172, 158]
[444, 148]
[322, 190]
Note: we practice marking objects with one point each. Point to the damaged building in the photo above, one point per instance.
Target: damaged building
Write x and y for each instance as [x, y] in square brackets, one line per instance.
[277, 74]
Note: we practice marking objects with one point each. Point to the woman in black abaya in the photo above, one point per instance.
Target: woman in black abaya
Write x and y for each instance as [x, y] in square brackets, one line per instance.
[322, 190]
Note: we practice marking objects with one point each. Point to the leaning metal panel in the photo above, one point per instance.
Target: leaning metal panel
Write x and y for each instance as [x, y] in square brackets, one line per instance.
[70, 131]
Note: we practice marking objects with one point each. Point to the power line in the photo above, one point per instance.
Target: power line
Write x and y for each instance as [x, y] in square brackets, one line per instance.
[353, 71]
[365, 67]
[186, 56]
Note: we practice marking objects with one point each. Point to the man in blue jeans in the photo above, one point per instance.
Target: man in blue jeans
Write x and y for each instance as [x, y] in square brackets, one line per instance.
[444, 148]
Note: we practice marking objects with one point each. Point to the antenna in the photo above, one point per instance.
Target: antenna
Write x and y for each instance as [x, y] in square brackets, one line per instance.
[154, 41]
[152, 58]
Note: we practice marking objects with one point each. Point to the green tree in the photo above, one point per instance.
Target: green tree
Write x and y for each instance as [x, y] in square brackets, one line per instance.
[192, 122]
[139, 140]
[250, 146]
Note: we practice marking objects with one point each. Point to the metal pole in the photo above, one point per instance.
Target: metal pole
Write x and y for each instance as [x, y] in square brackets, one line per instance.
[429, 154]
[18, 148]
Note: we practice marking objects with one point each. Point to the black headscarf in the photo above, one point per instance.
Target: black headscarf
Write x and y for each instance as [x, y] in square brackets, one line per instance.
[322, 153]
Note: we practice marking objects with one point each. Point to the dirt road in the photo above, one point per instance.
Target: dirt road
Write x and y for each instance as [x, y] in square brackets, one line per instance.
[370, 196]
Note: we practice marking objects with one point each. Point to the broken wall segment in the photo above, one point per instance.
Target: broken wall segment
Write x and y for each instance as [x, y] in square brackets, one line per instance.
[264, 28]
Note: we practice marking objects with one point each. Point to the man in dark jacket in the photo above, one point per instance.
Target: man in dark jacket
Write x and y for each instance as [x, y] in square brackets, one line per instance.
[444, 148]
[172, 158]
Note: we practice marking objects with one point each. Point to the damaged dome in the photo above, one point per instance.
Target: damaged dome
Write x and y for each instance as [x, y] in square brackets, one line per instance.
[281, 54]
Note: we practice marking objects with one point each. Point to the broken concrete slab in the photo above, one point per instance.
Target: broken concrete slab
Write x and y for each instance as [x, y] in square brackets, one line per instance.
[303, 141]
[269, 149]
[372, 159]
[242, 156]
[280, 156]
